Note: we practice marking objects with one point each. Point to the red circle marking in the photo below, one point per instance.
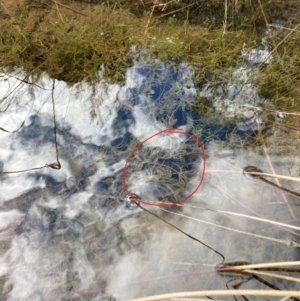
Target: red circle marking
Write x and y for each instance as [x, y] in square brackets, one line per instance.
[167, 131]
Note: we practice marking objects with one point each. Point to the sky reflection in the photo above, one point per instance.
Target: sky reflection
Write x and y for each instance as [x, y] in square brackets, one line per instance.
[68, 230]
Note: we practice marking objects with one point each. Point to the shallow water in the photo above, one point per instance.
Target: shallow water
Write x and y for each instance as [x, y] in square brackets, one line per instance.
[68, 234]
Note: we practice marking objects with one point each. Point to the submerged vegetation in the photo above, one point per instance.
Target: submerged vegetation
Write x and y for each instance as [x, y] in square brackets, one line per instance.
[73, 40]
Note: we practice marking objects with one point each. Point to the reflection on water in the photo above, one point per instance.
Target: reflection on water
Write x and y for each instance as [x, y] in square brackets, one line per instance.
[68, 233]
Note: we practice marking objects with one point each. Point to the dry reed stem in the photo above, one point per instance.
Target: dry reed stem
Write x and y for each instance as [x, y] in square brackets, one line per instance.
[272, 275]
[277, 181]
[244, 206]
[193, 299]
[243, 215]
[260, 265]
[285, 242]
[273, 176]
[271, 293]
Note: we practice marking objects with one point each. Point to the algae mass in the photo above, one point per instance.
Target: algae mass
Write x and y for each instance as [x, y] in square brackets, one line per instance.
[74, 40]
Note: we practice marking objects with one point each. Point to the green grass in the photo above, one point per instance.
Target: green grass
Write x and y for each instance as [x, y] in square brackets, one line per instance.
[72, 41]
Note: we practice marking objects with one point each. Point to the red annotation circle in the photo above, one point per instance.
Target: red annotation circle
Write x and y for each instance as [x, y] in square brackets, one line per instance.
[157, 204]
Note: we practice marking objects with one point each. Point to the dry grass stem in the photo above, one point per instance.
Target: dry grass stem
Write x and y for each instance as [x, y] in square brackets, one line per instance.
[281, 42]
[245, 216]
[270, 293]
[272, 275]
[267, 23]
[175, 11]
[70, 8]
[277, 181]
[281, 241]
[282, 27]
[261, 265]
[244, 206]
[150, 17]
[290, 113]
[273, 176]
[225, 18]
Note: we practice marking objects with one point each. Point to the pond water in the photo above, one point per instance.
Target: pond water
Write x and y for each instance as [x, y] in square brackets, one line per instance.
[69, 231]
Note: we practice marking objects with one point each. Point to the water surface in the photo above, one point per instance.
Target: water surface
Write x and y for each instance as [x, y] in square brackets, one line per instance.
[67, 232]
